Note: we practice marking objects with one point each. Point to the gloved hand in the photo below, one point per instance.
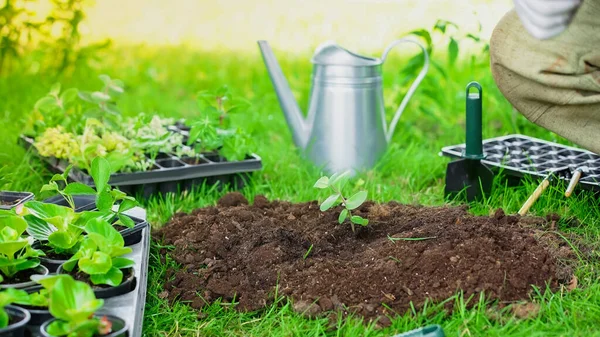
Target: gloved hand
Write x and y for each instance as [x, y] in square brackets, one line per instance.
[544, 19]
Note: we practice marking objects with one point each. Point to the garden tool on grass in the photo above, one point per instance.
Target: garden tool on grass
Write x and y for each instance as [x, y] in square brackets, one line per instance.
[345, 128]
[554, 174]
[470, 175]
[577, 174]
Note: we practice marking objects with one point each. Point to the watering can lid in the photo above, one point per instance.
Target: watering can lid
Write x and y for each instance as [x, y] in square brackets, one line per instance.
[330, 53]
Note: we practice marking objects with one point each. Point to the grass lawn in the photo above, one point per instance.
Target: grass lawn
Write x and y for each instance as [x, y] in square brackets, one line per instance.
[164, 81]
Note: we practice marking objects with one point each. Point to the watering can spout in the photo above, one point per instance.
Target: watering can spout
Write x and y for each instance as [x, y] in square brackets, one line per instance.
[293, 115]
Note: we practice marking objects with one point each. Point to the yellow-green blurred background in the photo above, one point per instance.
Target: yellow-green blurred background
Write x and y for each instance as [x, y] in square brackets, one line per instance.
[290, 25]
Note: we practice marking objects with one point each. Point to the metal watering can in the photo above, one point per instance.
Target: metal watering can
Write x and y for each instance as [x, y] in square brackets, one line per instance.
[345, 128]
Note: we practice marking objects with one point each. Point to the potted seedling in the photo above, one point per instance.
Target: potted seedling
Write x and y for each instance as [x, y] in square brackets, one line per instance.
[18, 259]
[13, 320]
[100, 261]
[60, 229]
[74, 309]
[336, 183]
[35, 299]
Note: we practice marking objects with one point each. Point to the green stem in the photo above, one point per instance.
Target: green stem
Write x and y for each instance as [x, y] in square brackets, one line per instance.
[344, 202]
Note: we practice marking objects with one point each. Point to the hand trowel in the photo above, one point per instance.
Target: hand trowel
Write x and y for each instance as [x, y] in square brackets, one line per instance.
[469, 175]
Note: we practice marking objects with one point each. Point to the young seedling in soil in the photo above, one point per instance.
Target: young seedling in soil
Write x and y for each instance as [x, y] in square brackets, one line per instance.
[101, 254]
[336, 183]
[16, 253]
[74, 306]
[61, 226]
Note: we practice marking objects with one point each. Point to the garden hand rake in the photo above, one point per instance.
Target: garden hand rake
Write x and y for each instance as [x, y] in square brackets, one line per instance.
[554, 174]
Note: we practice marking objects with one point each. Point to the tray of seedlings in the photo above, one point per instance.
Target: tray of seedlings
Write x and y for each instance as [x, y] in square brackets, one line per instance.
[148, 154]
[520, 156]
[74, 267]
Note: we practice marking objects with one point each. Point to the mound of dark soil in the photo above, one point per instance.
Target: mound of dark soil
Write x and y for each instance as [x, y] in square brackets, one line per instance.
[242, 252]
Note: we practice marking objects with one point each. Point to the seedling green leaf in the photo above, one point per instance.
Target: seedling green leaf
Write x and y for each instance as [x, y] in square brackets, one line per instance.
[329, 202]
[356, 200]
[359, 220]
[99, 263]
[100, 173]
[78, 188]
[104, 201]
[343, 216]
[323, 182]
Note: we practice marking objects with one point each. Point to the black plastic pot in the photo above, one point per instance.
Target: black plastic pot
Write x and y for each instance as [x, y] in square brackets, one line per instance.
[127, 285]
[20, 318]
[82, 202]
[119, 327]
[10, 200]
[51, 264]
[132, 236]
[40, 270]
[38, 314]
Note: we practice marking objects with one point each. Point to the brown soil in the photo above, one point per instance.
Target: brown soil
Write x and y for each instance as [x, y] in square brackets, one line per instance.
[240, 252]
[120, 227]
[81, 276]
[20, 277]
[50, 254]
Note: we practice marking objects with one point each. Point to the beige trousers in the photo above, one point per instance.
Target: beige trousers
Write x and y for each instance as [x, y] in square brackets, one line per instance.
[554, 83]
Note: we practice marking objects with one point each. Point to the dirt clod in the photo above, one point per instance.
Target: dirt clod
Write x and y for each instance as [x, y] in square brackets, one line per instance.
[232, 199]
[525, 310]
[243, 252]
[308, 309]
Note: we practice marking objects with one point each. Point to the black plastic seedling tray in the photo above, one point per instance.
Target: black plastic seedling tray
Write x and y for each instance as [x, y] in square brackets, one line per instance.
[10, 200]
[128, 306]
[170, 174]
[521, 156]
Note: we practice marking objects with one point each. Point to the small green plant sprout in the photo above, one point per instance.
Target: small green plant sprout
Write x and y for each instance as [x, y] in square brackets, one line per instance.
[104, 106]
[73, 304]
[336, 183]
[101, 254]
[16, 253]
[204, 136]
[107, 197]
[219, 103]
[7, 297]
[57, 108]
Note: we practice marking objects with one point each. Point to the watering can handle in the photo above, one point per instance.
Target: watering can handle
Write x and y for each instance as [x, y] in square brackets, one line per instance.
[412, 88]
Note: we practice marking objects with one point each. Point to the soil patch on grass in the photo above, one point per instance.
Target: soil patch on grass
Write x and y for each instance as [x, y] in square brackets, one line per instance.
[241, 252]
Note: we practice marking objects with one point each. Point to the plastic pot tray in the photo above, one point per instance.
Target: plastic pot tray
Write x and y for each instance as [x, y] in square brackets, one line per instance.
[10, 200]
[170, 174]
[129, 306]
[520, 156]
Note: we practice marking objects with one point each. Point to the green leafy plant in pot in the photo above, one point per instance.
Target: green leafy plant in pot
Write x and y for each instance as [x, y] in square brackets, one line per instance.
[36, 299]
[13, 320]
[60, 230]
[100, 262]
[18, 259]
[74, 307]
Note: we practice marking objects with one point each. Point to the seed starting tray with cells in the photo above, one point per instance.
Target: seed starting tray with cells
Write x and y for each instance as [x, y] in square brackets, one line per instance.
[521, 156]
[169, 174]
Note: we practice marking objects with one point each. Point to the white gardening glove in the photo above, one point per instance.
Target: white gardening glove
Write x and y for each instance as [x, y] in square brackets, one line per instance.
[544, 19]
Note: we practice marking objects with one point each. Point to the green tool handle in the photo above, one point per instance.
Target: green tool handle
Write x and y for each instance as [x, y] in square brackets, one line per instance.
[474, 138]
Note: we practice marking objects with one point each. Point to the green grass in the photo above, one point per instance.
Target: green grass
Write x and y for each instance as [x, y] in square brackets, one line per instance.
[164, 81]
